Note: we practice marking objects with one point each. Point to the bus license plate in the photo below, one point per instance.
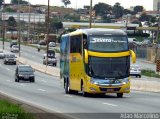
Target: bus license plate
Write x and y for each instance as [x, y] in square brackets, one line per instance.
[110, 89]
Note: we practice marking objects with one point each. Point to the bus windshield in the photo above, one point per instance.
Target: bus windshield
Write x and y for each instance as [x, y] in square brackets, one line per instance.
[108, 43]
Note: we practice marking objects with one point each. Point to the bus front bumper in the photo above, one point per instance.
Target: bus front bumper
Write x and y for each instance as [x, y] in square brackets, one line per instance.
[103, 86]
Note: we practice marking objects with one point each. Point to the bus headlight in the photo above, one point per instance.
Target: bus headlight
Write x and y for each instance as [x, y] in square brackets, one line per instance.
[124, 81]
[94, 82]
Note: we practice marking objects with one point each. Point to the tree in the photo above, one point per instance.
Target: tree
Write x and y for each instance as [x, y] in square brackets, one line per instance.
[20, 2]
[138, 9]
[118, 10]
[126, 11]
[145, 17]
[11, 24]
[1, 1]
[102, 9]
[8, 9]
[56, 24]
[66, 2]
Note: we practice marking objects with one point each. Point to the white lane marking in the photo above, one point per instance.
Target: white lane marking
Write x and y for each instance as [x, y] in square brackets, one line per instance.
[22, 84]
[68, 96]
[41, 90]
[8, 69]
[110, 104]
[44, 81]
[8, 80]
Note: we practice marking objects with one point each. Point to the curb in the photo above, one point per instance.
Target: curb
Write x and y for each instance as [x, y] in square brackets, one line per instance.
[40, 67]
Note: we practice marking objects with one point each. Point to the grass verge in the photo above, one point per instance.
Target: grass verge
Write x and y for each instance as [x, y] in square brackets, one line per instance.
[12, 111]
[150, 73]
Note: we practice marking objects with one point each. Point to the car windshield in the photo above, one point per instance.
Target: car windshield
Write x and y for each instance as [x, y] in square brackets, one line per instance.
[15, 46]
[10, 56]
[25, 69]
[108, 43]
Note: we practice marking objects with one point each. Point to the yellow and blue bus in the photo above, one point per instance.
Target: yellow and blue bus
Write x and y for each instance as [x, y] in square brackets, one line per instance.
[95, 61]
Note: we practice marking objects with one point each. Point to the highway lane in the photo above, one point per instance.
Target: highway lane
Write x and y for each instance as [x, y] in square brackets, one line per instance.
[30, 53]
[46, 92]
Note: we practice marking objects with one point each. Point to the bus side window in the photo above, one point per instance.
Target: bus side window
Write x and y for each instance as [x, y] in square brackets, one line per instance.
[76, 44]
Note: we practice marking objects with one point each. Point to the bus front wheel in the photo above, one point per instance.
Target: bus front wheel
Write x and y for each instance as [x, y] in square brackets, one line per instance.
[85, 94]
[119, 95]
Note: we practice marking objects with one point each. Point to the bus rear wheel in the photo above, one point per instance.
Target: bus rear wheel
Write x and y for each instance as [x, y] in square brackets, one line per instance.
[119, 95]
[66, 87]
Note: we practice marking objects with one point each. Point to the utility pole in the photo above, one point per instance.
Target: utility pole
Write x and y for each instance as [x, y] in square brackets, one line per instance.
[158, 27]
[3, 27]
[126, 23]
[156, 57]
[48, 22]
[19, 28]
[29, 20]
[90, 19]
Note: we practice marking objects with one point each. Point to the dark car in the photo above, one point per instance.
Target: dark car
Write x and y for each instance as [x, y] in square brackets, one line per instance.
[9, 58]
[25, 73]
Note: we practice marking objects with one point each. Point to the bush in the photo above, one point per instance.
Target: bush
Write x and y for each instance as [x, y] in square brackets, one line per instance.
[150, 73]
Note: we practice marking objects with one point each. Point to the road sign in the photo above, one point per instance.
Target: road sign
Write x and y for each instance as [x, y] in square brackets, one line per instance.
[158, 65]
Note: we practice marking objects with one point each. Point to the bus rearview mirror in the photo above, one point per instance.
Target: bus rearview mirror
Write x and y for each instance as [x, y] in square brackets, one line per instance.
[133, 56]
[85, 56]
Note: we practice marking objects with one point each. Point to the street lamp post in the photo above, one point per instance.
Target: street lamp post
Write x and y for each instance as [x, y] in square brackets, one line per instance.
[90, 19]
[48, 22]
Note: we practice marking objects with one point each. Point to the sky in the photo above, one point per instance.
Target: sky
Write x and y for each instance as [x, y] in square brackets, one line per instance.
[147, 4]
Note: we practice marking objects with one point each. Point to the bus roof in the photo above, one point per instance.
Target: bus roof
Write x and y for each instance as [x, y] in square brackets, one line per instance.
[98, 31]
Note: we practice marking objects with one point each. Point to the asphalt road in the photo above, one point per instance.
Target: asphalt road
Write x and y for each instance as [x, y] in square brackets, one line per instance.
[30, 53]
[47, 93]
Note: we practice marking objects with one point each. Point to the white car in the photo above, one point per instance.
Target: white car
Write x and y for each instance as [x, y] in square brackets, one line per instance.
[15, 48]
[1, 54]
[52, 44]
[135, 70]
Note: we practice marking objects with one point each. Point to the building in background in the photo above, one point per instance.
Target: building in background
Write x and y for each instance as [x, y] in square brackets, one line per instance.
[156, 5]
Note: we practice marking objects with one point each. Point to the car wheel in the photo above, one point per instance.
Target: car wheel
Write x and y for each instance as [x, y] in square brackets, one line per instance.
[119, 95]
[139, 76]
[17, 80]
[33, 80]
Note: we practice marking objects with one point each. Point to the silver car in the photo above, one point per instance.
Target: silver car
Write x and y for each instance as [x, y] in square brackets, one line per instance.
[135, 70]
[15, 48]
[51, 60]
[1, 54]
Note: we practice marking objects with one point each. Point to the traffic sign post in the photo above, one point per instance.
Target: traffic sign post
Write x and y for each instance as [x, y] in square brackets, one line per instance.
[158, 66]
